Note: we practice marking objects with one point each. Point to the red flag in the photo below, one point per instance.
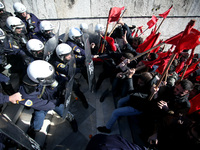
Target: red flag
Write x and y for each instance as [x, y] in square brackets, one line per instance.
[180, 67]
[152, 22]
[165, 14]
[195, 104]
[140, 28]
[198, 78]
[136, 35]
[111, 42]
[191, 69]
[147, 44]
[175, 39]
[114, 14]
[189, 60]
[157, 49]
[189, 41]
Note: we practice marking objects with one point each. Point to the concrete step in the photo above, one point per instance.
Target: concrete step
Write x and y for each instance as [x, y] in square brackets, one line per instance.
[13, 111]
[40, 137]
[25, 118]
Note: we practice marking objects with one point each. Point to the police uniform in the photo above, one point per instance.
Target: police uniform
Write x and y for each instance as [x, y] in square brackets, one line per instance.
[62, 73]
[35, 22]
[79, 52]
[41, 101]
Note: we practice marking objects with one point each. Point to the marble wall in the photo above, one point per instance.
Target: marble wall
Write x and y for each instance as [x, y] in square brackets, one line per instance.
[70, 13]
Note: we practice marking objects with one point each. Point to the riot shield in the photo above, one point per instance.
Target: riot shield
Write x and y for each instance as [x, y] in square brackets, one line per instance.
[50, 45]
[12, 131]
[89, 62]
[69, 85]
[65, 38]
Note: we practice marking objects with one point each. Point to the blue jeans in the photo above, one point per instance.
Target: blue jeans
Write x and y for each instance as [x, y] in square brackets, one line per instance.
[39, 116]
[122, 111]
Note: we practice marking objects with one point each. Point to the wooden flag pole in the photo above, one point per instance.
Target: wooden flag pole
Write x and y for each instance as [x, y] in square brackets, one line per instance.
[103, 45]
[143, 32]
[163, 75]
[160, 25]
[141, 54]
[117, 23]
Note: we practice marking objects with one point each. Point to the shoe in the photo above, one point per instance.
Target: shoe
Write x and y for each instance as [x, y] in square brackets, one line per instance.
[103, 129]
[31, 132]
[74, 125]
[103, 96]
[85, 104]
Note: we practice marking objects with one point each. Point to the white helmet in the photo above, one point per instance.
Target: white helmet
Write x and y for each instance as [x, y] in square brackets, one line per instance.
[34, 46]
[99, 28]
[1, 6]
[62, 50]
[46, 26]
[42, 72]
[13, 22]
[2, 34]
[74, 32]
[19, 7]
[83, 27]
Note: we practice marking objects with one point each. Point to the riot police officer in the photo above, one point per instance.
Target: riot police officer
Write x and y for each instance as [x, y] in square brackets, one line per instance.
[30, 20]
[61, 64]
[40, 92]
[18, 56]
[46, 31]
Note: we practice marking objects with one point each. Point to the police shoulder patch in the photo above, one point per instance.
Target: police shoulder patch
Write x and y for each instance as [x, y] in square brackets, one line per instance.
[78, 50]
[62, 66]
[28, 103]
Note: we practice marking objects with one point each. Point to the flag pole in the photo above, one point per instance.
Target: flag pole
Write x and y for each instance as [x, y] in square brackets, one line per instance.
[160, 24]
[103, 45]
[143, 31]
[116, 23]
[141, 54]
[186, 67]
[163, 75]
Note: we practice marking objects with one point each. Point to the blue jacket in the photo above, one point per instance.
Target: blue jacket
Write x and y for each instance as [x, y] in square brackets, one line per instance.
[78, 52]
[36, 22]
[47, 102]
[4, 98]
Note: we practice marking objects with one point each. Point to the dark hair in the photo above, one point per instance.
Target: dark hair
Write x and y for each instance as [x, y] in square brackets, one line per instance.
[153, 56]
[138, 39]
[186, 84]
[146, 77]
[128, 55]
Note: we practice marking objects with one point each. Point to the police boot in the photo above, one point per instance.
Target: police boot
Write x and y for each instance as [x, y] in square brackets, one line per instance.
[31, 132]
[81, 96]
[72, 121]
[103, 96]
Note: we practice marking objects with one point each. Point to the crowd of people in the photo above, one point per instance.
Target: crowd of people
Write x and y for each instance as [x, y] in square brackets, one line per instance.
[169, 120]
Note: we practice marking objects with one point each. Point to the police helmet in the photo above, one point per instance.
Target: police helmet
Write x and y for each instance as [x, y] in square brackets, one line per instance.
[41, 72]
[35, 47]
[14, 22]
[63, 50]
[99, 28]
[74, 32]
[2, 34]
[19, 7]
[46, 26]
[1, 6]
[83, 27]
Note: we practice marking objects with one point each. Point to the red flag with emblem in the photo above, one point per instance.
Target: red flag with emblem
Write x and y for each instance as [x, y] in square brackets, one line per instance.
[114, 14]
[152, 22]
